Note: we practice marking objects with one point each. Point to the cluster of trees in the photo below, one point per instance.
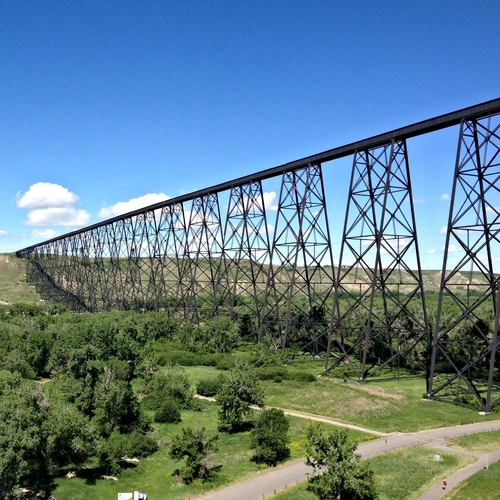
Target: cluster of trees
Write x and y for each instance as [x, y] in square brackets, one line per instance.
[89, 415]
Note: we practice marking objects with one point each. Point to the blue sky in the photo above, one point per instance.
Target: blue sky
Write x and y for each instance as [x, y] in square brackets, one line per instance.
[103, 102]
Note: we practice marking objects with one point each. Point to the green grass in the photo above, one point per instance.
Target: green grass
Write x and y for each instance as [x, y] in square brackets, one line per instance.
[296, 493]
[406, 474]
[485, 442]
[13, 286]
[401, 475]
[481, 486]
[386, 406]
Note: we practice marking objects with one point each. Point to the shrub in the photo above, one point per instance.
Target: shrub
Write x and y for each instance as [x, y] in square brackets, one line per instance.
[198, 449]
[131, 445]
[274, 373]
[140, 445]
[168, 412]
[173, 383]
[270, 438]
[301, 376]
[209, 387]
[226, 363]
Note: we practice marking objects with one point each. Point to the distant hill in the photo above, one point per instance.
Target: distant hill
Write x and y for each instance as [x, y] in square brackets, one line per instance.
[13, 286]
[14, 289]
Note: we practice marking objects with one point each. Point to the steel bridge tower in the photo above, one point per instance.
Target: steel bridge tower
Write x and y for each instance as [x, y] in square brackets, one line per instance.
[381, 315]
[465, 350]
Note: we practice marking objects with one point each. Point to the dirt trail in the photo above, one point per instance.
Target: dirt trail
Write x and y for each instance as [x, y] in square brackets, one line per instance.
[315, 418]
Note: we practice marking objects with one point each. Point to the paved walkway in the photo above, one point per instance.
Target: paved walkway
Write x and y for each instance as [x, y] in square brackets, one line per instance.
[279, 478]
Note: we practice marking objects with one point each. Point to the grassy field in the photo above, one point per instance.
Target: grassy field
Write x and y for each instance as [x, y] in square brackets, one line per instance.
[484, 485]
[13, 286]
[387, 406]
[485, 442]
[400, 475]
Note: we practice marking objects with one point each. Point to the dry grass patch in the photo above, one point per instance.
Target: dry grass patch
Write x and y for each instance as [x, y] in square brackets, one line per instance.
[372, 390]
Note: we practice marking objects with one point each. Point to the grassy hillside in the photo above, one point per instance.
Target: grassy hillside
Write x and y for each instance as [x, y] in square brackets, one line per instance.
[13, 286]
[14, 289]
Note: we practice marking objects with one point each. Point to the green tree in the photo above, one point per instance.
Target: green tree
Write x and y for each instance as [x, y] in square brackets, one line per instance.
[270, 438]
[171, 383]
[39, 436]
[198, 448]
[339, 472]
[236, 395]
[168, 412]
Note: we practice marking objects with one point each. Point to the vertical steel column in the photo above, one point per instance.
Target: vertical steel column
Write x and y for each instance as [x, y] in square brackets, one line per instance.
[465, 345]
[204, 252]
[246, 253]
[379, 295]
[301, 275]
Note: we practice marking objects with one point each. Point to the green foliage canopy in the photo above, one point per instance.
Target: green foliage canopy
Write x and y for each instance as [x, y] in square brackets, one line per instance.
[198, 448]
[270, 438]
[237, 393]
[339, 472]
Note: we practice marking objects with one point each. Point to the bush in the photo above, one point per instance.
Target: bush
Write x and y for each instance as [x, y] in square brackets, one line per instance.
[226, 363]
[140, 445]
[270, 438]
[130, 445]
[275, 373]
[209, 387]
[302, 376]
[173, 383]
[169, 353]
[216, 335]
[198, 449]
[168, 412]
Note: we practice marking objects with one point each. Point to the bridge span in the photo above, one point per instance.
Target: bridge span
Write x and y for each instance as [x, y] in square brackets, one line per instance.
[272, 268]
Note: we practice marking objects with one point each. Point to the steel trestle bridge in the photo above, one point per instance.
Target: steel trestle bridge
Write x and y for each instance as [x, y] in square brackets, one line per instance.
[271, 267]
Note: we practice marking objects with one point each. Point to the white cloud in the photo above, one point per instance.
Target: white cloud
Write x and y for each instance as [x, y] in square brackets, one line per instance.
[445, 197]
[3, 234]
[58, 216]
[443, 230]
[123, 207]
[451, 249]
[46, 195]
[270, 201]
[45, 234]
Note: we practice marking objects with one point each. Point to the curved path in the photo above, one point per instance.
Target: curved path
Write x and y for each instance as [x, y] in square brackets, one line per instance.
[279, 478]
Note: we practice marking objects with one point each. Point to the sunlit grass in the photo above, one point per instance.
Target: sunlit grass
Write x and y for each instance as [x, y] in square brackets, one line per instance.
[485, 442]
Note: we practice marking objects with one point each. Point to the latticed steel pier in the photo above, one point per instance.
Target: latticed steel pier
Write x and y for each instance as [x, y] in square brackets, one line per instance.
[196, 257]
